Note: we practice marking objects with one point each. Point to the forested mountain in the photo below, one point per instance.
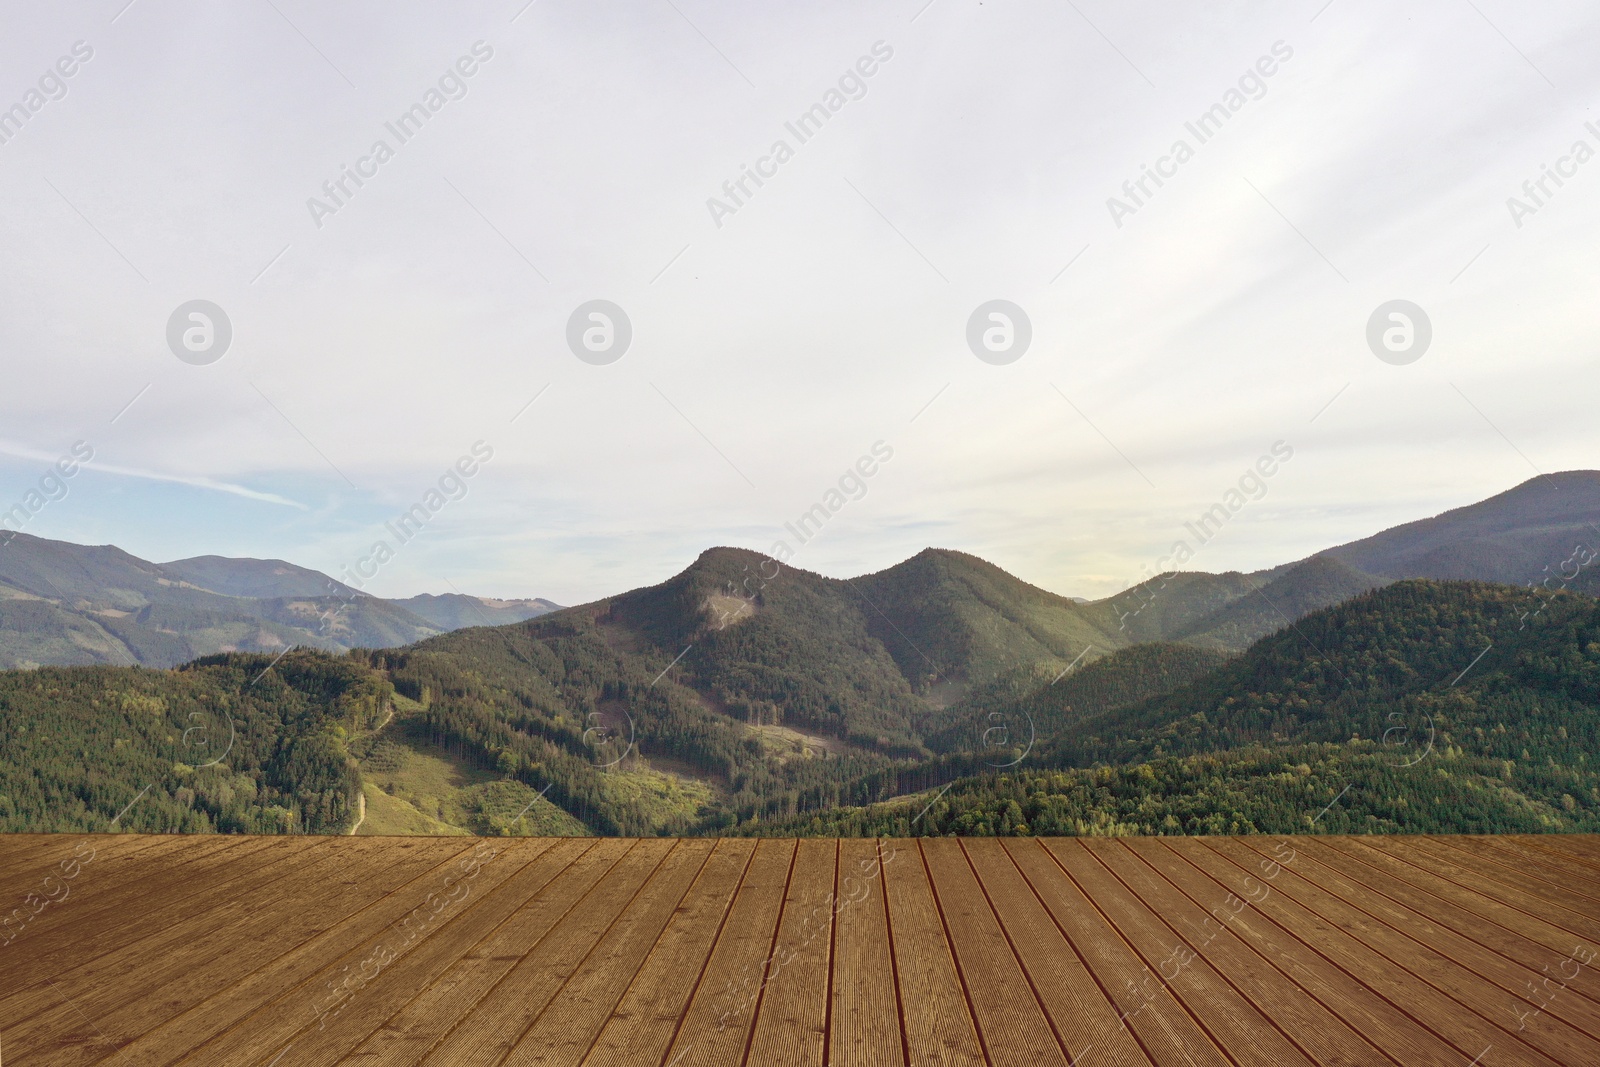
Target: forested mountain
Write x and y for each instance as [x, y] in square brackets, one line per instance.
[66, 604]
[1319, 582]
[1443, 706]
[950, 620]
[741, 695]
[1041, 708]
[1522, 535]
[1546, 531]
[232, 743]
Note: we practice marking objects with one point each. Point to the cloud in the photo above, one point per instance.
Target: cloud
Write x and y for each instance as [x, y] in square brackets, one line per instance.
[198, 482]
[824, 314]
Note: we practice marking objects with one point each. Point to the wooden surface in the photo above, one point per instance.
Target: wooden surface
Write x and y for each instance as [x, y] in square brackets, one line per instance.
[389, 952]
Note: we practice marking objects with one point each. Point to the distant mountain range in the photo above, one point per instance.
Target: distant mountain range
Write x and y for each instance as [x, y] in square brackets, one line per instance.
[945, 620]
[1546, 530]
[71, 604]
[741, 693]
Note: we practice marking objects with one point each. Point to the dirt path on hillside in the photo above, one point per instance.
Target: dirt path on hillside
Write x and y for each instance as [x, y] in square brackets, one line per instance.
[361, 812]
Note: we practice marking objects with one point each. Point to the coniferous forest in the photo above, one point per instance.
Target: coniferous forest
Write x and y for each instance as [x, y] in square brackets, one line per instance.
[1422, 706]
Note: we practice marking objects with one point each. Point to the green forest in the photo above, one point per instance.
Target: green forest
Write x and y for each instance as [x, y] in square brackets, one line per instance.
[229, 744]
[718, 704]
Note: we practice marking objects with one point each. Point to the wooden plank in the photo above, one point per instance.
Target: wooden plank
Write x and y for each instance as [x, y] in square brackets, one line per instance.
[1583, 847]
[1353, 950]
[1011, 1024]
[1526, 883]
[1321, 1035]
[1445, 997]
[458, 970]
[309, 983]
[938, 1022]
[1082, 1015]
[1474, 976]
[1476, 914]
[126, 915]
[128, 992]
[1246, 1036]
[1549, 902]
[437, 956]
[864, 1019]
[644, 1021]
[716, 1027]
[1184, 863]
[234, 1003]
[28, 859]
[1163, 1030]
[569, 1024]
[791, 1010]
[1514, 856]
[51, 875]
[500, 1019]
[1585, 862]
[1501, 960]
[150, 868]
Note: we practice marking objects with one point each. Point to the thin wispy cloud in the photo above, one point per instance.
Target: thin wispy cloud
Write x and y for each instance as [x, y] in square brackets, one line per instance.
[45, 459]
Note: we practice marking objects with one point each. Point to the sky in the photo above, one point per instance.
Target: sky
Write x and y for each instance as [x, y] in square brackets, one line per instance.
[382, 338]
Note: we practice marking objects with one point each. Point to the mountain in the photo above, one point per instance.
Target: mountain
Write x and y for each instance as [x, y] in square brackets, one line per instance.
[1170, 604]
[1421, 707]
[100, 575]
[1545, 530]
[1319, 582]
[69, 604]
[261, 579]
[950, 620]
[777, 688]
[772, 686]
[274, 579]
[456, 611]
[1040, 708]
[741, 693]
[223, 745]
[1522, 535]
[591, 709]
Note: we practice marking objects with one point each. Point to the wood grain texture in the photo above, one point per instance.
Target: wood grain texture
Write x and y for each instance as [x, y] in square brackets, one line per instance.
[1134, 952]
[791, 1028]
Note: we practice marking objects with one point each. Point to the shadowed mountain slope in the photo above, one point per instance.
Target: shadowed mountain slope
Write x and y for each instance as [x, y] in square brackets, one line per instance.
[951, 617]
[1319, 582]
[1519, 536]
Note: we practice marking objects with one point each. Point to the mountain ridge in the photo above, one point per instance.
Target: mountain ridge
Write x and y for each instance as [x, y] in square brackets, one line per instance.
[65, 604]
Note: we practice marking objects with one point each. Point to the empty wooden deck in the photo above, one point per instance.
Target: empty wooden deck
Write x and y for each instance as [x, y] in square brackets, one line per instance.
[294, 951]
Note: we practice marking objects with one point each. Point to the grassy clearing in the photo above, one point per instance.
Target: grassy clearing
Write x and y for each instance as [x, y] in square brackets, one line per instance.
[783, 743]
[414, 787]
[391, 816]
[666, 800]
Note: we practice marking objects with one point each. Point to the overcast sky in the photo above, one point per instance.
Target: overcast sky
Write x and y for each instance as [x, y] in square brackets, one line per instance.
[778, 337]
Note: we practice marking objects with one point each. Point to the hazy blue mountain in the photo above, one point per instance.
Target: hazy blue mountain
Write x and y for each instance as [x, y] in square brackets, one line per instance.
[258, 578]
[65, 604]
[454, 611]
[1522, 535]
[1545, 530]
